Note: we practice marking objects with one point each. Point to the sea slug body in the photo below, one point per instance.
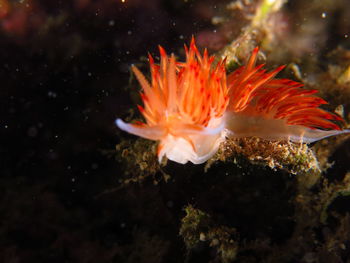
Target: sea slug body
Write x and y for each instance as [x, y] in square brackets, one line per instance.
[192, 107]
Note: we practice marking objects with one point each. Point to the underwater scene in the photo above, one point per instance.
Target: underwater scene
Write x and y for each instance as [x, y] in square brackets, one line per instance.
[175, 131]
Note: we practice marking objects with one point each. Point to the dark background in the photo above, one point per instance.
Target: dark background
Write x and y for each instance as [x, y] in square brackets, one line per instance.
[64, 70]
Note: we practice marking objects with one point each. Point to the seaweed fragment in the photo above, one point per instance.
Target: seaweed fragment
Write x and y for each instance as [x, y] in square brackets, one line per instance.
[198, 226]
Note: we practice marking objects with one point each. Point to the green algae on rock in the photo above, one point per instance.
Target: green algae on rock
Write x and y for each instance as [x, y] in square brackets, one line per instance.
[292, 157]
[197, 227]
[140, 160]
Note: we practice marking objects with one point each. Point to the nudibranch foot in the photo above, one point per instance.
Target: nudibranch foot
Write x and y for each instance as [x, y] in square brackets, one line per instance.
[313, 135]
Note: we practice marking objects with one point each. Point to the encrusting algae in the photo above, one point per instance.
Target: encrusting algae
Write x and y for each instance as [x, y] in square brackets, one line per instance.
[192, 107]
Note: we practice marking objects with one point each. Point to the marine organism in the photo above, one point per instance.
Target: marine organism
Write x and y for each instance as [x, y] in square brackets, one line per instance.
[191, 107]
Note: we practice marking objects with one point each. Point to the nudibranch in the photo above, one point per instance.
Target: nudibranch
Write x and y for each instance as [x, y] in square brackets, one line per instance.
[191, 107]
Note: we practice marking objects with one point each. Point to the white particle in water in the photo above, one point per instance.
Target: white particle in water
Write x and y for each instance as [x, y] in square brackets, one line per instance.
[52, 94]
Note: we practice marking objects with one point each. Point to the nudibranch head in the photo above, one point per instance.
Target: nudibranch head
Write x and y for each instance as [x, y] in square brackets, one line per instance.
[184, 106]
